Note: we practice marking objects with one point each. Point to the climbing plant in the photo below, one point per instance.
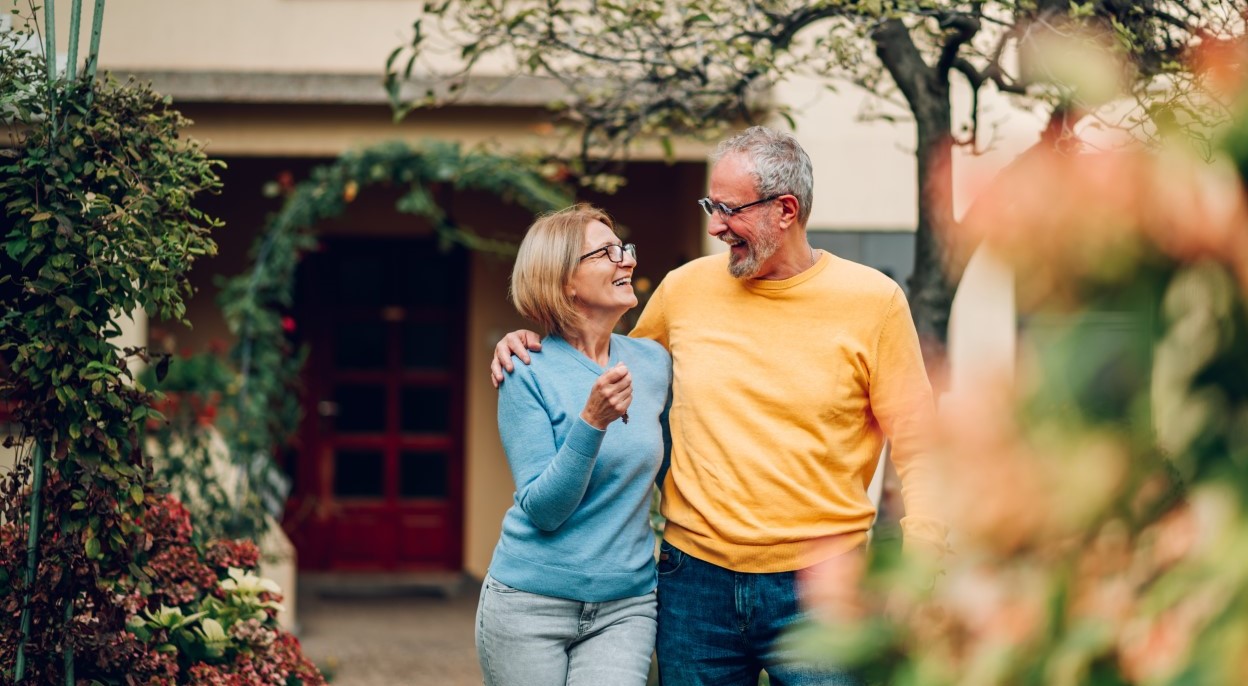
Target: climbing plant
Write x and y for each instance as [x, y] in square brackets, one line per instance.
[97, 220]
[96, 195]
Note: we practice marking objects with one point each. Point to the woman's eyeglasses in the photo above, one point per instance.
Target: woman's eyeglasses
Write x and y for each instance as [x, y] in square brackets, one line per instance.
[615, 253]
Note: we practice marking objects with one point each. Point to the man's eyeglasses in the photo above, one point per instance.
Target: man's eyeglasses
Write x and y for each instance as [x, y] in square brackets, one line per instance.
[615, 253]
[710, 207]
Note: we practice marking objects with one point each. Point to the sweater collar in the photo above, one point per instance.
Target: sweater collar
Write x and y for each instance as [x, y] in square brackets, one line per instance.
[557, 342]
[825, 259]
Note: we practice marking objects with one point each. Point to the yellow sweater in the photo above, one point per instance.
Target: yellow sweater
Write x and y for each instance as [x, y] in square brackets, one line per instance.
[783, 393]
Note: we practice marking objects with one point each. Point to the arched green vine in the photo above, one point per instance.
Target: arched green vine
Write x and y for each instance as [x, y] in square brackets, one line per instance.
[264, 411]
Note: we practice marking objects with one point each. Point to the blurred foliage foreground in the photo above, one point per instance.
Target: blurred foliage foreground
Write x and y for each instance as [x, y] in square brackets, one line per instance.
[1098, 491]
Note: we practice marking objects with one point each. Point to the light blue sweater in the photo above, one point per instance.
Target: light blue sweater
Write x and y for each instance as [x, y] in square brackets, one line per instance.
[580, 524]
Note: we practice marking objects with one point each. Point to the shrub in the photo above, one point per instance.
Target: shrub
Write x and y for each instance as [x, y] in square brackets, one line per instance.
[190, 613]
[96, 219]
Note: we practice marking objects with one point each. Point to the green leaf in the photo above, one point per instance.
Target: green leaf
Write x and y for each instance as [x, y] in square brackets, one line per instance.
[669, 150]
[15, 247]
[136, 494]
[394, 54]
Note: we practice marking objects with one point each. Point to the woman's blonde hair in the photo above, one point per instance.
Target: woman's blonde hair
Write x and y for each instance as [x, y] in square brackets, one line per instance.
[549, 254]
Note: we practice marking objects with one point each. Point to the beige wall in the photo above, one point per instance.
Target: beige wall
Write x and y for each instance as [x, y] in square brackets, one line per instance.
[322, 130]
[329, 130]
[490, 487]
[226, 42]
[247, 35]
[983, 325]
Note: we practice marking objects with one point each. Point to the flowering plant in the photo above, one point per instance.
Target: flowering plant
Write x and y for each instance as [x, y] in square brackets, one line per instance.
[1098, 488]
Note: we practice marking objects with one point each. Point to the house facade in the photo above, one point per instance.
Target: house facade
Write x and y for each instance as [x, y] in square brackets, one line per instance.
[398, 467]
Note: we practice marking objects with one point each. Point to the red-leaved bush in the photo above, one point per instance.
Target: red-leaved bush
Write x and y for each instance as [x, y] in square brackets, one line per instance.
[183, 614]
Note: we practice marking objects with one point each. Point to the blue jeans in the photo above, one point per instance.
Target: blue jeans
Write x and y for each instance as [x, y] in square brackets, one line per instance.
[718, 627]
[526, 639]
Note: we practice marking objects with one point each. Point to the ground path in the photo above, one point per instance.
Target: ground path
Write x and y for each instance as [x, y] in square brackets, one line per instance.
[392, 638]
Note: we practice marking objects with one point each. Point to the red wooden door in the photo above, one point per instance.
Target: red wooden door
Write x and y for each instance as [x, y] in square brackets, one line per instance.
[379, 474]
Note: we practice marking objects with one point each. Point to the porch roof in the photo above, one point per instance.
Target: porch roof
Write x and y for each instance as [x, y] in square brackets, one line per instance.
[272, 88]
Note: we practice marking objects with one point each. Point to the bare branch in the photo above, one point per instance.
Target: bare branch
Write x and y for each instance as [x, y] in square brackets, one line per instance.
[961, 30]
[896, 49]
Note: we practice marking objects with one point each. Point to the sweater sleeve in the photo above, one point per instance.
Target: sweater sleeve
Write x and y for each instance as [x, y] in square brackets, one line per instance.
[901, 399]
[551, 479]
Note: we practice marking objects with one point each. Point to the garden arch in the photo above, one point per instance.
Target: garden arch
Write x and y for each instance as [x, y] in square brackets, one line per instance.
[265, 410]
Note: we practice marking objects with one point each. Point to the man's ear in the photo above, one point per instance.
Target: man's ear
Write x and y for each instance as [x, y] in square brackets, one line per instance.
[789, 209]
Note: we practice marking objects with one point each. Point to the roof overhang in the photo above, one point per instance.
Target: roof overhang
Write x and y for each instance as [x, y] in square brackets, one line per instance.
[271, 88]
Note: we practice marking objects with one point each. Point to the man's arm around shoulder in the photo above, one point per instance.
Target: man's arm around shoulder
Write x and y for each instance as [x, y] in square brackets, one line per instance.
[517, 343]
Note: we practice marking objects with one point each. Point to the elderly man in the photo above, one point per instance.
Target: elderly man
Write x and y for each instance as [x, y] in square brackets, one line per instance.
[790, 368]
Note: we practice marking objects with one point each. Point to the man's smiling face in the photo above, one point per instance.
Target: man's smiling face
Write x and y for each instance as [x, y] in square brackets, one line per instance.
[750, 234]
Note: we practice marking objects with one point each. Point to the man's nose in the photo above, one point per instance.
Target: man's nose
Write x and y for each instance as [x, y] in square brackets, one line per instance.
[716, 225]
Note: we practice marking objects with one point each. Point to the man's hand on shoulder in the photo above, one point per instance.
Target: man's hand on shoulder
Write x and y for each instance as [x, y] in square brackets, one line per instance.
[517, 343]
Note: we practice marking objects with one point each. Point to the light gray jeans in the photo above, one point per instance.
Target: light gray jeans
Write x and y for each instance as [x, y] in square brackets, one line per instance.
[525, 639]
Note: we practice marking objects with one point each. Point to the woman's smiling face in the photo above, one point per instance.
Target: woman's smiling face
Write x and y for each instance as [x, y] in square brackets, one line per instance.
[600, 285]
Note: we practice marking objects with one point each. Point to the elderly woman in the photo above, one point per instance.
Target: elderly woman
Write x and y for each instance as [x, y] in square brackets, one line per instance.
[570, 594]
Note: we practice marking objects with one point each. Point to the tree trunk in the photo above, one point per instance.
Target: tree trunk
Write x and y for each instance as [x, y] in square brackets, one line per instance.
[927, 92]
[931, 288]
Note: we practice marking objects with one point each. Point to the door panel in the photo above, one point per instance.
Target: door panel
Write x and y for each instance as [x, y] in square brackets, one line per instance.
[420, 536]
[359, 474]
[358, 408]
[361, 346]
[426, 345]
[424, 409]
[423, 474]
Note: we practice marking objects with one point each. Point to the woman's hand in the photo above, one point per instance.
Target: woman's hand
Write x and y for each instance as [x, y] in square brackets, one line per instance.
[610, 397]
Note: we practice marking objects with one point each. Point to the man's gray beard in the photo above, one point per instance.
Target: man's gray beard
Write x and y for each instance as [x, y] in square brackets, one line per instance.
[761, 249]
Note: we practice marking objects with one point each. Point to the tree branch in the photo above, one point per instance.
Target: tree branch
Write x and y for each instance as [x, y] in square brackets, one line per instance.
[896, 49]
[964, 27]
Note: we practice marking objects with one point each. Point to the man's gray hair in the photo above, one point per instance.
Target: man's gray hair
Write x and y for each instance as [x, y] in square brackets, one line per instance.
[778, 164]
